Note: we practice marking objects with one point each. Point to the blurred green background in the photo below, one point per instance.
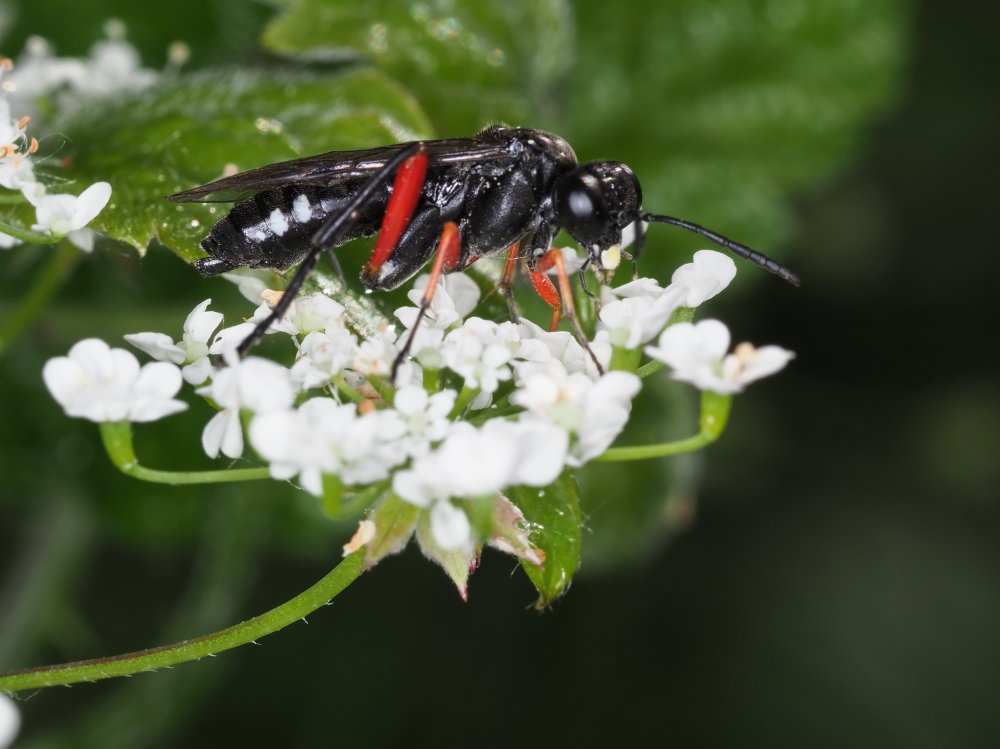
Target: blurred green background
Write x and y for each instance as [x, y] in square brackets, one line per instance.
[835, 583]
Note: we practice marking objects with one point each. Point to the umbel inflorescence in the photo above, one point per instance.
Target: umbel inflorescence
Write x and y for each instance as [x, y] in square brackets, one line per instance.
[478, 408]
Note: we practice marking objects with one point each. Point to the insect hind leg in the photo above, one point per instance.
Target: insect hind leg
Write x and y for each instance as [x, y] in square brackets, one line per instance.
[448, 251]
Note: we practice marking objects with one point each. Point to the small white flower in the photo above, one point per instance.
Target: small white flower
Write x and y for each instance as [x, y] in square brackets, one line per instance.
[475, 462]
[113, 67]
[250, 283]
[542, 449]
[639, 287]
[40, 72]
[466, 464]
[593, 411]
[66, 215]
[709, 273]
[450, 527]
[10, 721]
[425, 416]
[227, 340]
[306, 314]
[697, 354]
[322, 356]
[479, 352]
[17, 173]
[636, 319]
[455, 297]
[539, 346]
[376, 355]
[11, 129]
[100, 383]
[426, 346]
[254, 384]
[192, 350]
[325, 437]
[479, 462]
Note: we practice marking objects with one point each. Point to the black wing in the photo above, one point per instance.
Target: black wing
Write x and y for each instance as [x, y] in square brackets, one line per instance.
[338, 166]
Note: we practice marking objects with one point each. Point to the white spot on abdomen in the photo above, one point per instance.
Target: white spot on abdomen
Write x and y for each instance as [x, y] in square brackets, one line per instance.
[277, 223]
[255, 233]
[301, 209]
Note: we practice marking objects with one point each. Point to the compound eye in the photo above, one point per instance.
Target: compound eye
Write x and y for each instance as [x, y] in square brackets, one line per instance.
[581, 207]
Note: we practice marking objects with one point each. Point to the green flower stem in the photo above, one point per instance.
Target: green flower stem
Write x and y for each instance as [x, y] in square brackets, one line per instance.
[354, 504]
[333, 494]
[384, 389]
[346, 389]
[624, 359]
[650, 367]
[364, 498]
[494, 412]
[56, 268]
[117, 438]
[681, 314]
[464, 399]
[712, 422]
[187, 650]
[28, 236]
[432, 380]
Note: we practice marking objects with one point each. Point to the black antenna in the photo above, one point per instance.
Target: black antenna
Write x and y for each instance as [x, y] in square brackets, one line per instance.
[736, 248]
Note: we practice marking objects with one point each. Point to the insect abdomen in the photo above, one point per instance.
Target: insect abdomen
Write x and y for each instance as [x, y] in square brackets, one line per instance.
[272, 229]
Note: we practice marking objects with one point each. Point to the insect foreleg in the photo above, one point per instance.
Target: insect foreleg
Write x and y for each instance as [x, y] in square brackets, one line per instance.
[561, 302]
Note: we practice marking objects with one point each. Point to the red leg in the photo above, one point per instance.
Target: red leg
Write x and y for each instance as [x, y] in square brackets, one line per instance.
[447, 255]
[511, 265]
[547, 291]
[406, 188]
[506, 281]
[561, 302]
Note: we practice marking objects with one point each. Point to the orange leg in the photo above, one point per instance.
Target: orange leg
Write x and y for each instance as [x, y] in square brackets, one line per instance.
[446, 257]
[547, 291]
[507, 279]
[561, 301]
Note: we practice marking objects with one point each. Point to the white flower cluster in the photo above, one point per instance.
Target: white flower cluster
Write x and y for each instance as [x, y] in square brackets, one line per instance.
[480, 406]
[112, 67]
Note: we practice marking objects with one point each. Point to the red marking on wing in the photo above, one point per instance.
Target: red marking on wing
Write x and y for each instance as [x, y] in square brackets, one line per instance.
[406, 189]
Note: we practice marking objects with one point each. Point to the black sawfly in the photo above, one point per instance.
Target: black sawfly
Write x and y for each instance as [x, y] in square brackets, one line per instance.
[504, 190]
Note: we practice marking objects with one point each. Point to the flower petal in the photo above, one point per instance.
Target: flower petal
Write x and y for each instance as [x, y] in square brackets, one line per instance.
[89, 203]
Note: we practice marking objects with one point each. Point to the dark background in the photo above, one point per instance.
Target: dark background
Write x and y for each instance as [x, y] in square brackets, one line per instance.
[838, 585]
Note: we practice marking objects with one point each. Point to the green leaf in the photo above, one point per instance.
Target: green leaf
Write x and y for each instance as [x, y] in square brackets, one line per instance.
[455, 562]
[554, 517]
[723, 106]
[467, 63]
[185, 133]
[394, 521]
